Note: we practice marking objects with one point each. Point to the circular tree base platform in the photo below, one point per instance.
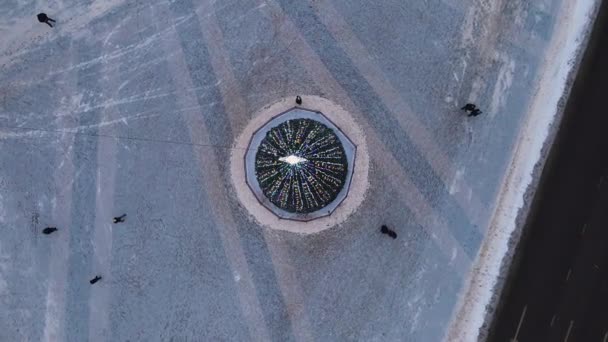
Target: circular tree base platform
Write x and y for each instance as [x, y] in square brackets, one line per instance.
[345, 143]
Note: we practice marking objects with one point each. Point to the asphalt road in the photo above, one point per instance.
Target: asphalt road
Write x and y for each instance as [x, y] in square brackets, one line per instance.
[559, 286]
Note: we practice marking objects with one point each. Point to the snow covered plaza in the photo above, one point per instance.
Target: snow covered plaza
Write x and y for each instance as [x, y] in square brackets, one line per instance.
[149, 107]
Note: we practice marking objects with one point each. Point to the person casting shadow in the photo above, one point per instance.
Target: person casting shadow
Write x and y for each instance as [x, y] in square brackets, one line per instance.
[468, 107]
[120, 218]
[49, 230]
[475, 112]
[94, 280]
[43, 18]
[387, 231]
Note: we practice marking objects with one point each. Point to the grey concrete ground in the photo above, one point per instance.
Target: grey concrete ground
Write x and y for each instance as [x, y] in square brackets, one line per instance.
[132, 107]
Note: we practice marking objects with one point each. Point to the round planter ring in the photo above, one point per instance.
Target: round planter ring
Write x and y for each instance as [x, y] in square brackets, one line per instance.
[246, 184]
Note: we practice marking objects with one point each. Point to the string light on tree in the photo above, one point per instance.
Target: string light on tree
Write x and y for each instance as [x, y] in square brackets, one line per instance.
[301, 165]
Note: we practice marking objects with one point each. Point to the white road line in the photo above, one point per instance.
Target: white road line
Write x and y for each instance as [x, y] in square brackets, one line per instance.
[568, 275]
[521, 320]
[552, 320]
[605, 337]
[568, 332]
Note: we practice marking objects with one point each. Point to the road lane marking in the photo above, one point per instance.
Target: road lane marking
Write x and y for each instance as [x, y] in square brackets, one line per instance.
[568, 275]
[568, 332]
[521, 320]
[552, 320]
[605, 337]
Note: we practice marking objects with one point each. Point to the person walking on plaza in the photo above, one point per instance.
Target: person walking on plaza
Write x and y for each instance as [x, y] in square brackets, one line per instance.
[469, 107]
[94, 280]
[385, 230]
[43, 18]
[49, 230]
[120, 218]
[472, 109]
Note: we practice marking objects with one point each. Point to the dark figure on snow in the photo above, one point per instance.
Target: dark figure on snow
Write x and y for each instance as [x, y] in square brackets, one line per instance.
[120, 218]
[475, 112]
[469, 107]
[385, 230]
[49, 230]
[298, 100]
[43, 18]
[94, 280]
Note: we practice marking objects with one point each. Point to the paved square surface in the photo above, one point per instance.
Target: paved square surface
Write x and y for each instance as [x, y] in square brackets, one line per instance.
[133, 107]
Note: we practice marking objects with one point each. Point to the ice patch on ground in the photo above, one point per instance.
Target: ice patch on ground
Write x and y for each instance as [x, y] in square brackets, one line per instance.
[2, 210]
[457, 181]
[3, 270]
[504, 82]
[454, 254]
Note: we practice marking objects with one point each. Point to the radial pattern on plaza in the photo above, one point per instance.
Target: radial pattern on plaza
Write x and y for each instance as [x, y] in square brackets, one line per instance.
[301, 165]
